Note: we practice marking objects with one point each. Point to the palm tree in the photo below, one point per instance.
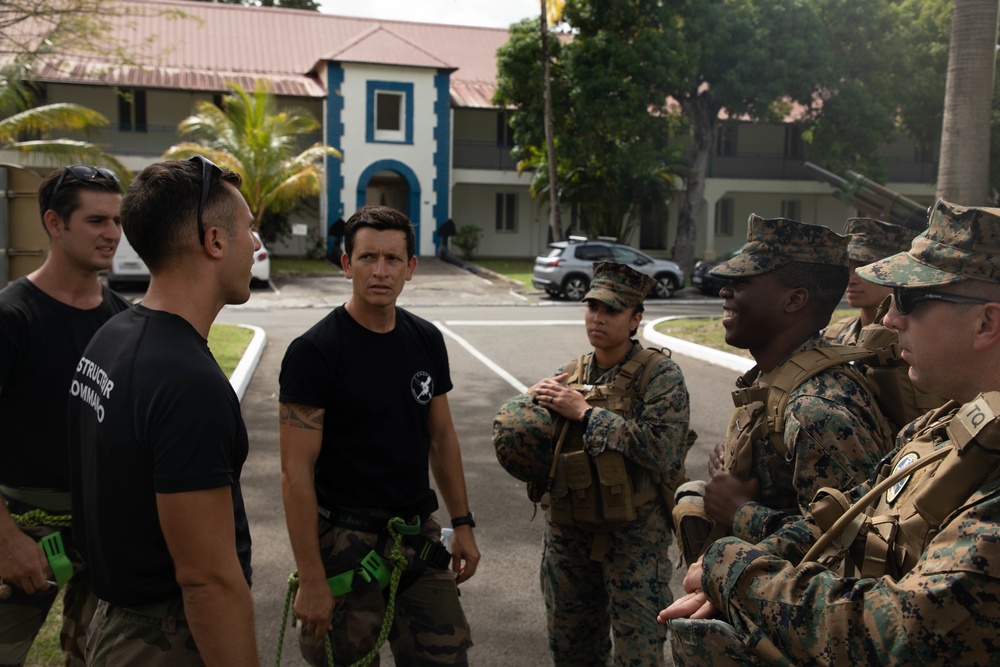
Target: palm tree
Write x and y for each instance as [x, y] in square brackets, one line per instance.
[551, 12]
[27, 129]
[963, 171]
[252, 137]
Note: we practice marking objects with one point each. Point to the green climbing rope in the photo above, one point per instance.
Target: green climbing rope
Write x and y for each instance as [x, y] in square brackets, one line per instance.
[42, 518]
[397, 561]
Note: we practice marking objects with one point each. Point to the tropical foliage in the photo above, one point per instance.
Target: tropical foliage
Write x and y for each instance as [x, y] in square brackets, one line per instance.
[25, 128]
[253, 137]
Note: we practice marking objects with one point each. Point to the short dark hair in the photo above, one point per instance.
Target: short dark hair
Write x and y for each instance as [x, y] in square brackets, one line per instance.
[381, 218]
[825, 283]
[67, 200]
[159, 211]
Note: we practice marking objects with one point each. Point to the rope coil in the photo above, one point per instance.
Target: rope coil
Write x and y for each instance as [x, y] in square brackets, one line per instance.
[397, 562]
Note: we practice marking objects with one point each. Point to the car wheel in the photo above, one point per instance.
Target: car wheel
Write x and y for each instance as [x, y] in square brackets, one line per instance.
[664, 288]
[575, 287]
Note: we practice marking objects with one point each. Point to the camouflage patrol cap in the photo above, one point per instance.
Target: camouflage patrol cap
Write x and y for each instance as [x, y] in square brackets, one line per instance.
[618, 285]
[872, 240]
[774, 242]
[961, 243]
[523, 436]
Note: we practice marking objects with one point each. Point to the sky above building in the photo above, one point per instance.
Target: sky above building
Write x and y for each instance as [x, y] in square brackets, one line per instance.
[486, 13]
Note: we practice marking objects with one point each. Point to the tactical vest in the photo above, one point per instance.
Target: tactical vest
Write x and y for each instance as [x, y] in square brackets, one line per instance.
[601, 493]
[760, 411]
[953, 453]
[760, 414]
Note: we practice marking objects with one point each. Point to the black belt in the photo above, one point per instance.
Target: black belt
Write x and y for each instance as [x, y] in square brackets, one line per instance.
[428, 551]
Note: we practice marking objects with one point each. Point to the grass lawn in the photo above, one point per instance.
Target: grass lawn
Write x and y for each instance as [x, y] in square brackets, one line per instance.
[227, 342]
[520, 270]
[708, 331]
[301, 266]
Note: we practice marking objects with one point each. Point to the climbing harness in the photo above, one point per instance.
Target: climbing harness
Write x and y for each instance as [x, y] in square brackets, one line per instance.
[372, 570]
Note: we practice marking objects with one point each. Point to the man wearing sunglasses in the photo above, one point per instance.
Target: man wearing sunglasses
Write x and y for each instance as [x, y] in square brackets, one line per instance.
[908, 574]
[46, 320]
[157, 506]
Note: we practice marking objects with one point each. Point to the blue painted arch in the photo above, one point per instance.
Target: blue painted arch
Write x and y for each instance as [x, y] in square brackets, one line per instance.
[411, 181]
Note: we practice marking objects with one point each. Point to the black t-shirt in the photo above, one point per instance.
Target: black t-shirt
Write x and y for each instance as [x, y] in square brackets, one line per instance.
[376, 389]
[153, 413]
[41, 340]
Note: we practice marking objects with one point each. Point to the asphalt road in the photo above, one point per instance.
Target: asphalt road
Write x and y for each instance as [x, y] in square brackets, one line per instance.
[498, 342]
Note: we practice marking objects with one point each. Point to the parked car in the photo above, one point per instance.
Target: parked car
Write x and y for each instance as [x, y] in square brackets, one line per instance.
[128, 269]
[706, 283]
[569, 266]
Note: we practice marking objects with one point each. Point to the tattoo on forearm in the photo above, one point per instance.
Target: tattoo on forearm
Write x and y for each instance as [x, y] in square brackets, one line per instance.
[301, 416]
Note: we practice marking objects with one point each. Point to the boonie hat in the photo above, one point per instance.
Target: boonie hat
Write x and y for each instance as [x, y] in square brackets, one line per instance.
[618, 285]
[774, 242]
[872, 240]
[961, 243]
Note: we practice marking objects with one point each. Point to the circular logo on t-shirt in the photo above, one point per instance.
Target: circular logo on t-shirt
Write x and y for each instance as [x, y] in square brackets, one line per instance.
[422, 386]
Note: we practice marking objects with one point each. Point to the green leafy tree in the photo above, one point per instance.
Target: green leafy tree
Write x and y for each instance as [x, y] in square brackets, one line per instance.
[25, 128]
[605, 81]
[251, 136]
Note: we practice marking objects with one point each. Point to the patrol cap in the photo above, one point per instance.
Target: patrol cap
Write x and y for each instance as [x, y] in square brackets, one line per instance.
[618, 285]
[872, 240]
[524, 436]
[774, 242]
[961, 243]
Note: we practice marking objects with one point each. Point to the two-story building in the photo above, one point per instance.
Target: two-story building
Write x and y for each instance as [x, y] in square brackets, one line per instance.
[410, 107]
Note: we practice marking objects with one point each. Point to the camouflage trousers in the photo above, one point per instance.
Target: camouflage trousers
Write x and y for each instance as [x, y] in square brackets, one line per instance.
[429, 626]
[708, 643]
[590, 603]
[151, 635]
[22, 616]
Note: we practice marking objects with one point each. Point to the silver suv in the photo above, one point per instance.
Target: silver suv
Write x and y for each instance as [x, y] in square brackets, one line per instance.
[569, 266]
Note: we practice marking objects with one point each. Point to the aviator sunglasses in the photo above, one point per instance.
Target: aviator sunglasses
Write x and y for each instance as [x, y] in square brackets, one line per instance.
[906, 299]
[81, 172]
[209, 170]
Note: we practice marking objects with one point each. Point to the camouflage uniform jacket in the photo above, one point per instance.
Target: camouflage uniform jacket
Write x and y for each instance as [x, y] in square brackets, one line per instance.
[946, 610]
[833, 438]
[844, 332]
[656, 438]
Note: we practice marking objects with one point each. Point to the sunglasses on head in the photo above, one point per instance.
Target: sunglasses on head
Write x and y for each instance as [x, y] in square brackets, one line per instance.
[81, 172]
[906, 299]
[209, 171]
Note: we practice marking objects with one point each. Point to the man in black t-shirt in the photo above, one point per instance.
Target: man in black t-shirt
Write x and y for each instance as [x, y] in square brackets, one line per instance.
[157, 506]
[46, 320]
[381, 375]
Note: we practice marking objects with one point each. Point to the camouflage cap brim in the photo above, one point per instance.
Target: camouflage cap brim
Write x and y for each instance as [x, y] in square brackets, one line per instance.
[747, 265]
[902, 270]
[608, 297]
[774, 242]
[961, 243]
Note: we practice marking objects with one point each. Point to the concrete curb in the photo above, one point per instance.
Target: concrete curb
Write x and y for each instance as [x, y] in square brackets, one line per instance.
[688, 349]
[243, 373]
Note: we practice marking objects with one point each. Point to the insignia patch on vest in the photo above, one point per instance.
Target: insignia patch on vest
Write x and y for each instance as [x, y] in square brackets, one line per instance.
[422, 387]
[975, 415]
[897, 488]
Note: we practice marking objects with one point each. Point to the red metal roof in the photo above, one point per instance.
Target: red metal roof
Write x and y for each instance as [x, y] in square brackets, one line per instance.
[202, 46]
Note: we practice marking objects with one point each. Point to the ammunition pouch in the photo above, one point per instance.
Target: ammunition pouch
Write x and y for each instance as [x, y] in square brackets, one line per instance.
[593, 492]
[691, 522]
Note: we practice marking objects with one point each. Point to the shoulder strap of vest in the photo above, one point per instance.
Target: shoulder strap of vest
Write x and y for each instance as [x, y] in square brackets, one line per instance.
[576, 368]
[834, 329]
[793, 373]
[634, 374]
[882, 341]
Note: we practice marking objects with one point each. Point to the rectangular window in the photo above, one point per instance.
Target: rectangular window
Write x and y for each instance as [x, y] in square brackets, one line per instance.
[724, 217]
[389, 114]
[132, 110]
[725, 141]
[505, 135]
[506, 212]
[388, 111]
[794, 146]
[791, 209]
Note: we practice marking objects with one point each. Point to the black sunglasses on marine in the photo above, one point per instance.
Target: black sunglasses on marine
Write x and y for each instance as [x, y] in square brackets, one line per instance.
[81, 172]
[209, 170]
[906, 299]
